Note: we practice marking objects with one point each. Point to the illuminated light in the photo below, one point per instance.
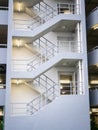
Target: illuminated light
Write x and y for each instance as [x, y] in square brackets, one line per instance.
[67, 12]
[95, 27]
[65, 81]
[61, 87]
[19, 43]
[90, 112]
[1, 112]
[97, 65]
[94, 82]
[18, 82]
[19, 6]
[0, 80]
[95, 110]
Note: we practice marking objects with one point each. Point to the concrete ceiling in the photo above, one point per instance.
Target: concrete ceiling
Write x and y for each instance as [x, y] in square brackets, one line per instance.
[66, 26]
[67, 63]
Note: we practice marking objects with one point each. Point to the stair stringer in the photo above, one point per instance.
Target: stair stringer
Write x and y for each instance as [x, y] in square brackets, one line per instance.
[45, 66]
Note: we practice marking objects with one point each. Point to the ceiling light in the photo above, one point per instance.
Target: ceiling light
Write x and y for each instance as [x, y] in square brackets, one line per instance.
[19, 43]
[19, 6]
[17, 82]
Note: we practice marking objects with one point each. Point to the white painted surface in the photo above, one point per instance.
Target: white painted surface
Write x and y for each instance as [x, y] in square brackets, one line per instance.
[22, 94]
[3, 55]
[3, 17]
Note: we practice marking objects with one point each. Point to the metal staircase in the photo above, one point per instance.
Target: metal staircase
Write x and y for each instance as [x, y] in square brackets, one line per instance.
[46, 50]
[42, 12]
[48, 90]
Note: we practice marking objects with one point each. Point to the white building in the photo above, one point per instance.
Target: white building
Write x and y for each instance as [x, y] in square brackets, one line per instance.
[46, 65]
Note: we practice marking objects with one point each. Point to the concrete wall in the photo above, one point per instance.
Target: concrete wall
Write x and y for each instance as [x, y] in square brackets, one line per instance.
[20, 93]
[3, 17]
[3, 55]
[94, 97]
[93, 57]
[64, 113]
[2, 97]
[92, 19]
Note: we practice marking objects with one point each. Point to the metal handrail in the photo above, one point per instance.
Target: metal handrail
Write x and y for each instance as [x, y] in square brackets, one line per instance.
[42, 5]
[45, 53]
[43, 99]
[3, 45]
[69, 46]
[46, 41]
[3, 8]
[48, 54]
[47, 48]
[44, 82]
[75, 88]
[40, 100]
[71, 7]
[41, 18]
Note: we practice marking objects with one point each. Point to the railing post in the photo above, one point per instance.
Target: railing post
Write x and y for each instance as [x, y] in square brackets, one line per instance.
[70, 87]
[54, 91]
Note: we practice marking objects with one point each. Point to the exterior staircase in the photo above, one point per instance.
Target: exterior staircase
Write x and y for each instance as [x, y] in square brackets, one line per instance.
[41, 13]
[47, 53]
[48, 91]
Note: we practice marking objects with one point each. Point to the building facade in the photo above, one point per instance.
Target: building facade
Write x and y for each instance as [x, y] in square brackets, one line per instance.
[44, 61]
[92, 41]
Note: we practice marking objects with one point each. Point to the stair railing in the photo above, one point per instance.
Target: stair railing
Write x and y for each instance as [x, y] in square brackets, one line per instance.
[68, 8]
[46, 46]
[3, 8]
[43, 82]
[45, 9]
[46, 51]
[69, 46]
[44, 13]
[42, 100]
